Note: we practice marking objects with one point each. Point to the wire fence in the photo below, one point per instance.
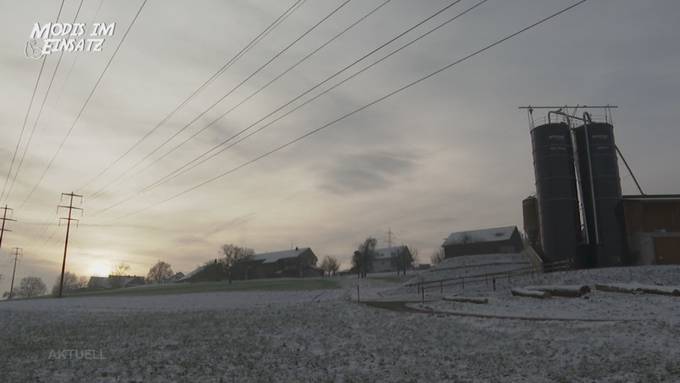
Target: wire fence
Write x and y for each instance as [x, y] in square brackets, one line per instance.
[488, 281]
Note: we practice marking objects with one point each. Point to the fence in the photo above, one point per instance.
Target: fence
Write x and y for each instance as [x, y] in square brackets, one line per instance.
[490, 279]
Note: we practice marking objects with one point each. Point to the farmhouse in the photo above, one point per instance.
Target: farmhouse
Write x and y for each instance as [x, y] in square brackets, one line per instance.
[299, 262]
[485, 241]
[385, 260]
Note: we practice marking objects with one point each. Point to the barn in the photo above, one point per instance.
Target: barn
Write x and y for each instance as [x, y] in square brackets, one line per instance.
[298, 262]
[496, 240]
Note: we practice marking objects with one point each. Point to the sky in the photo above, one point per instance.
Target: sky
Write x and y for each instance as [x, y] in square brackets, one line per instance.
[449, 154]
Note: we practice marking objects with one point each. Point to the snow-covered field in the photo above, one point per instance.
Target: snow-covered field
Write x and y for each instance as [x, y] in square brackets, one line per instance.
[324, 336]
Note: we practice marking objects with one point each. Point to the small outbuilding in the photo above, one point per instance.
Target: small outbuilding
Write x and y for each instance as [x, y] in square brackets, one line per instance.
[497, 240]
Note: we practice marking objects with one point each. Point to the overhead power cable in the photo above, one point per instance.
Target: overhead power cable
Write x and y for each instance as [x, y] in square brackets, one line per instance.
[232, 90]
[202, 158]
[255, 93]
[85, 104]
[398, 36]
[28, 112]
[360, 109]
[274, 24]
[42, 107]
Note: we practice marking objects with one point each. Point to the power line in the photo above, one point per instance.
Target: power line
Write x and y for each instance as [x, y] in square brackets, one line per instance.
[303, 59]
[46, 222]
[282, 106]
[85, 104]
[75, 60]
[289, 11]
[28, 112]
[42, 107]
[232, 90]
[360, 109]
[192, 164]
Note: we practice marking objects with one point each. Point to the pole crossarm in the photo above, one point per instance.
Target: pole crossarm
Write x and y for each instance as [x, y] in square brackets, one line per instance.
[4, 220]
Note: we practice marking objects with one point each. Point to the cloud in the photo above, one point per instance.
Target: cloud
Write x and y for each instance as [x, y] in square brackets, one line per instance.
[365, 171]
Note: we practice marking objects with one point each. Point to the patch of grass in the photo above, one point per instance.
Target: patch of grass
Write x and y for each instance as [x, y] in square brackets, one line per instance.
[279, 284]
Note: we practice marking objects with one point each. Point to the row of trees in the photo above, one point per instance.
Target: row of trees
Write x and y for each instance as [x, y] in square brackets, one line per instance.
[32, 286]
[330, 266]
[28, 287]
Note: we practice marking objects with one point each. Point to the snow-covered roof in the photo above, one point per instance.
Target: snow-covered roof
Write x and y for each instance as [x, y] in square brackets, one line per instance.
[484, 235]
[388, 252]
[278, 255]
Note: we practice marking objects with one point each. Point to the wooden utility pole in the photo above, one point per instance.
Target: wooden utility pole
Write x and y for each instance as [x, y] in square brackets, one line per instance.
[68, 219]
[4, 220]
[17, 251]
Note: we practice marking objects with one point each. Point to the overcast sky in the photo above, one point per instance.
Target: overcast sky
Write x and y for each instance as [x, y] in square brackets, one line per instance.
[452, 153]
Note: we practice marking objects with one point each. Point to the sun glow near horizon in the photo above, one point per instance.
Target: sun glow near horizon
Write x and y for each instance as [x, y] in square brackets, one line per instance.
[99, 268]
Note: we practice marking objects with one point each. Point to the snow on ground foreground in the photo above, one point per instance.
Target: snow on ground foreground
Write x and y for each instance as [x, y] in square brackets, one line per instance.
[322, 336]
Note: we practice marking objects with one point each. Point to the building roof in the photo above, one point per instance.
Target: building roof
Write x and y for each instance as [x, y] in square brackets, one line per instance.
[483, 235]
[278, 255]
[189, 275]
[388, 252]
[652, 197]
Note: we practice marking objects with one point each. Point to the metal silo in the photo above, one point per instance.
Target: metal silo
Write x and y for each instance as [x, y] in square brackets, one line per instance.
[601, 190]
[531, 226]
[556, 191]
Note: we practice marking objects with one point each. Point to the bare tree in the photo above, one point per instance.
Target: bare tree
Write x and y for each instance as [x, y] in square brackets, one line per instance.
[334, 265]
[437, 256]
[71, 283]
[121, 269]
[362, 260]
[159, 273]
[232, 255]
[82, 281]
[31, 287]
[404, 259]
[330, 265]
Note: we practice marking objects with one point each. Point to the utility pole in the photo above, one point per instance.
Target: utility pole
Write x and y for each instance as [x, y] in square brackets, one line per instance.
[4, 220]
[68, 219]
[17, 251]
[389, 237]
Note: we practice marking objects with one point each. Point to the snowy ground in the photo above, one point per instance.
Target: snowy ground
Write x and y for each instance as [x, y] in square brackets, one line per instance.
[324, 336]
